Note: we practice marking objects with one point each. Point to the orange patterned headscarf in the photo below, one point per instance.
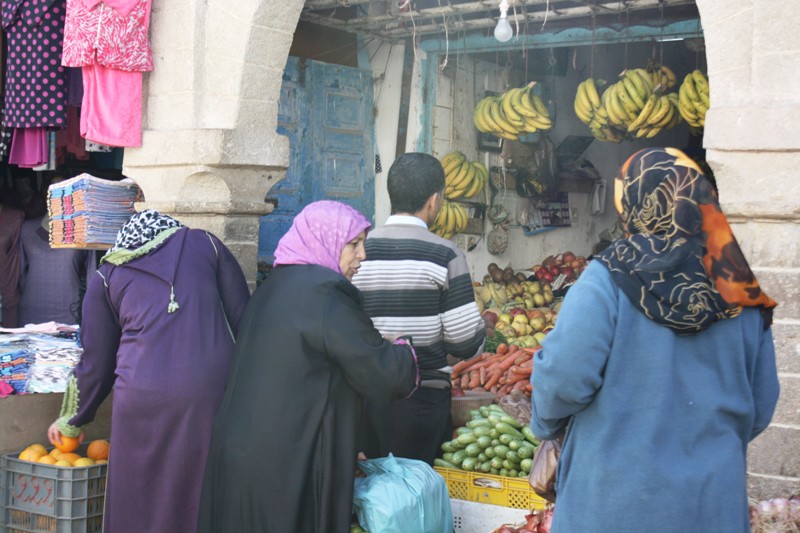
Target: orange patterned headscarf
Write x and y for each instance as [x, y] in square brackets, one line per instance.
[681, 263]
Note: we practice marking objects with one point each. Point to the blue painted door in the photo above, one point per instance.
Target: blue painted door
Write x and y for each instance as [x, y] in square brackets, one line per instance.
[326, 111]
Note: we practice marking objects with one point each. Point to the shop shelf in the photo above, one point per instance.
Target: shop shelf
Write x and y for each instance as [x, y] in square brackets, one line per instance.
[42, 498]
[488, 488]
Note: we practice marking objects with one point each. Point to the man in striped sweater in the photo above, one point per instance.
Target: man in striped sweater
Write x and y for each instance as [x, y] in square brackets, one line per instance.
[417, 284]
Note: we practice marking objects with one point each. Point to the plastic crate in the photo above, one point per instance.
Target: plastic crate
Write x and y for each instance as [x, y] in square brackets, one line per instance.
[473, 517]
[513, 492]
[42, 498]
[460, 406]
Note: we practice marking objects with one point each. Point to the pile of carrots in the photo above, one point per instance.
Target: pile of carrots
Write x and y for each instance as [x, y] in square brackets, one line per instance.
[507, 370]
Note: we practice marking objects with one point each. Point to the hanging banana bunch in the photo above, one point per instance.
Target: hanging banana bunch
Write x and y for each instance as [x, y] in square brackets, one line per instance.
[693, 98]
[661, 75]
[452, 219]
[515, 112]
[463, 179]
[633, 107]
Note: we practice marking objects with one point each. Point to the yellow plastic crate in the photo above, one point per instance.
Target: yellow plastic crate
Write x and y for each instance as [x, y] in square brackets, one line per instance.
[487, 488]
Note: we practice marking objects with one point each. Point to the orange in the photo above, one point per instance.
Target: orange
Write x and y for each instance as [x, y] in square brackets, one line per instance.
[55, 453]
[98, 449]
[101, 462]
[29, 455]
[63, 463]
[46, 459]
[83, 461]
[68, 444]
[69, 457]
[39, 448]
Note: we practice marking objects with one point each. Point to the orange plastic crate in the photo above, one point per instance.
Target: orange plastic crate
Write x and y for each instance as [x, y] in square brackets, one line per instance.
[513, 492]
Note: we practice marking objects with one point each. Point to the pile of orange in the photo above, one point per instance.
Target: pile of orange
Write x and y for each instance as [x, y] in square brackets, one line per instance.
[96, 454]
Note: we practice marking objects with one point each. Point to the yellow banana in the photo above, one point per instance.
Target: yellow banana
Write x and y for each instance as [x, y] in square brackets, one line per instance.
[691, 91]
[644, 114]
[633, 93]
[446, 160]
[462, 183]
[477, 116]
[653, 132]
[616, 115]
[495, 112]
[453, 163]
[644, 77]
[462, 218]
[700, 80]
[541, 109]
[530, 125]
[659, 112]
[581, 104]
[671, 79]
[666, 117]
[475, 187]
[628, 105]
[458, 175]
[642, 89]
[521, 103]
[508, 110]
[703, 94]
[591, 93]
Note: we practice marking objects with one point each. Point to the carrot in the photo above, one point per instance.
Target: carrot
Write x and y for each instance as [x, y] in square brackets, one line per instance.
[502, 348]
[482, 374]
[513, 378]
[508, 361]
[528, 388]
[523, 371]
[463, 365]
[474, 379]
[464, 381]
[522, 358]
[493, 379]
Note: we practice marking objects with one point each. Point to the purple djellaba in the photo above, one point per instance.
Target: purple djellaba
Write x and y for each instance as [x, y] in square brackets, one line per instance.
[159, 320]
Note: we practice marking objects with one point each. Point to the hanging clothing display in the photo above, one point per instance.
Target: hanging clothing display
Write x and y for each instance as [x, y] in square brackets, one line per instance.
[109, 40]
[29, 147]
[35, 94]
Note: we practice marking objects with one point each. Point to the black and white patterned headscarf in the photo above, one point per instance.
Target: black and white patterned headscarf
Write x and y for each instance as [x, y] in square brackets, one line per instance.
[143, 228]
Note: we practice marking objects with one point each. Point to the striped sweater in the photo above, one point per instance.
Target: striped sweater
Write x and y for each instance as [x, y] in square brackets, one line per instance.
[418, 284]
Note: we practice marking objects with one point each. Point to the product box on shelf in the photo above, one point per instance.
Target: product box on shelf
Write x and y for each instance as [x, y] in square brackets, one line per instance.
[43, 498]
[488, 488]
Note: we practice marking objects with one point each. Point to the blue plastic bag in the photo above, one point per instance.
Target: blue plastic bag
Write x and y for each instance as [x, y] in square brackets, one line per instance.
[401, 496]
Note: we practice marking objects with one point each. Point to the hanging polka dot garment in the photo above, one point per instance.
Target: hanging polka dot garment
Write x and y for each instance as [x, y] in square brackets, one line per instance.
[36, 94]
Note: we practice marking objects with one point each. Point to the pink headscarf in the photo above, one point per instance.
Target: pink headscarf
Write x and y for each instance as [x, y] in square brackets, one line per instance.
[318, 235]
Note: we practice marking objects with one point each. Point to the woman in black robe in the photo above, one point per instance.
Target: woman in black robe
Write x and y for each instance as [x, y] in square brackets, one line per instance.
[283, 452]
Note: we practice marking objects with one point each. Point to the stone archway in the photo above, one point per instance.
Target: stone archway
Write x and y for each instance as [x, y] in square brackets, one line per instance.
[210, 152]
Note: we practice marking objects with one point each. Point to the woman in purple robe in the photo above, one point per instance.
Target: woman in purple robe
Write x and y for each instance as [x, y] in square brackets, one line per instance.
[284, 446]
[159, 320]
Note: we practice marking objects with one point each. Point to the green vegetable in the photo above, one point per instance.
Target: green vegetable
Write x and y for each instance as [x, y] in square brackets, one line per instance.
[459, 457]
[525, 452]
[469, 464]
[501, 450]
[447, 457]
[511, 421]
[441, 463]
[473, 450]
[530, 436]
[503, 427]
[482, 431]
[515, 444]
[484, 441]
[475, 422]
[468, 438]
[525, 465]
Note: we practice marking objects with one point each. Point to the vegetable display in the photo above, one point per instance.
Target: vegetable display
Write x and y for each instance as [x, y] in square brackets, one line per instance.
[507, 370]
[491, 442]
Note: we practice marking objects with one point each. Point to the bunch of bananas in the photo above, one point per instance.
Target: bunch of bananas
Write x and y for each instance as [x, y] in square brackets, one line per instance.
[693, 99]
[632, 106]
[591, 111]
[661, 75]
[463, 179]
[452, 219]
[513, 113]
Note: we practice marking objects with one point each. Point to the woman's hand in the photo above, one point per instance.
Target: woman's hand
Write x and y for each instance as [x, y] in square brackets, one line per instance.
[54, 435]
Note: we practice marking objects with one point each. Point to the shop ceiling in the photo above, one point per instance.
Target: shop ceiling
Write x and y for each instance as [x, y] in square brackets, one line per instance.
[397, 20]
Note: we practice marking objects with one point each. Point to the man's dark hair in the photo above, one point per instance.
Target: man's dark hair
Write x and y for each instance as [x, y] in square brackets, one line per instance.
[412, 179]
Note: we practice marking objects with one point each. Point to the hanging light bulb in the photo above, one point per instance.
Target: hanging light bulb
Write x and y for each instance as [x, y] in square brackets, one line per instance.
[503, 31]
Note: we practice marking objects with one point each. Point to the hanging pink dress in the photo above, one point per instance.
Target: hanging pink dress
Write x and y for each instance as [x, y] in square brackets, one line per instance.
[109, 41]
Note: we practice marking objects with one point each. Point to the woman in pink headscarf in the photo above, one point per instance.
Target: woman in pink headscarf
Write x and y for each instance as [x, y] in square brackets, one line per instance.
[284, 445]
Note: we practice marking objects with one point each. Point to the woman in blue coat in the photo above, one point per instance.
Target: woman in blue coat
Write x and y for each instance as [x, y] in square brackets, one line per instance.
[661, 368]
